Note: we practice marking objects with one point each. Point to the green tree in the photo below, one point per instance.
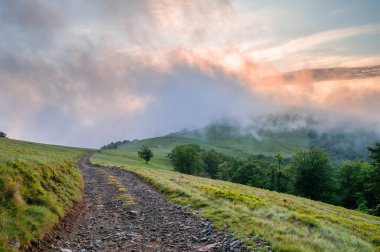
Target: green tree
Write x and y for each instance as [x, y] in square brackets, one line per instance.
[279, 159]
[353, 182]
[251, 172]
[145, 153]
[284, 180]
[275, 173]
[226, 170]
[212, 159]
[3, 134]
[314, 177]
[374, 183]
[187, 159]
[243, 173]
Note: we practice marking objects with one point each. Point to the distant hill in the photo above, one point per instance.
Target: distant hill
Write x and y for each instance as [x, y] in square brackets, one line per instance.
[283, 134]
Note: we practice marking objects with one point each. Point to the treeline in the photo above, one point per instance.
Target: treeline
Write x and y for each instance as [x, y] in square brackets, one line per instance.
[355, 184]
[114, 145]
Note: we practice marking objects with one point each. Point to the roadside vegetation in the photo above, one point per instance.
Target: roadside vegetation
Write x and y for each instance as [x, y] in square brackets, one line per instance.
[308, 173]
[287, 222]
[332, 167]
[38, 185]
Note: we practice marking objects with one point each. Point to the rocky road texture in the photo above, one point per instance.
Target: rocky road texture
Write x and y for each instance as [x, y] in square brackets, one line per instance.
[119, 212]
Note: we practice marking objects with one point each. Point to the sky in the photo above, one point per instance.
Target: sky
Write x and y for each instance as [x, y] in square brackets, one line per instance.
[88, 72]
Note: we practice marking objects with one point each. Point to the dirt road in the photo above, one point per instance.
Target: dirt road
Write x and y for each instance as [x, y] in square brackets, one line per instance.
[119, 212]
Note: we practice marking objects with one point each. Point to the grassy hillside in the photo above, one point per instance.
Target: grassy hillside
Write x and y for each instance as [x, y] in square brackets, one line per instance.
[38, 184]
[269, 137]
[236, 146]
[288, 223]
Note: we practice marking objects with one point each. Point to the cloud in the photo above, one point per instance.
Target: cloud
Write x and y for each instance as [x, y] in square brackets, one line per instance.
[29, 15]
[347, 91]
[78, 74]
[29, 25]
[88, 98]
[312, 42]
[341, 73]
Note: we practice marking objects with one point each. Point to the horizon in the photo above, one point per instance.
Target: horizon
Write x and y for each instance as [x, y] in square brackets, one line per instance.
[81, 73]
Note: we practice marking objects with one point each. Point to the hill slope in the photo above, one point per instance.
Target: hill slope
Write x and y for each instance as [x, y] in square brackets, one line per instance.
[286, 222]
[286, 143]
[285, 134]
[38, 184]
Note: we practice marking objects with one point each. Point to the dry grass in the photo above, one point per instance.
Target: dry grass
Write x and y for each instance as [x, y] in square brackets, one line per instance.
[123, 195]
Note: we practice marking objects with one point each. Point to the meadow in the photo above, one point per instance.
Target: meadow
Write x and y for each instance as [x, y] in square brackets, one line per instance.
[241, 147]
[38, 185]
[286, 222]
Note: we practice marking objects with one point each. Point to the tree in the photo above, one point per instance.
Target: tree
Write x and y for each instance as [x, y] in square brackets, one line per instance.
[374, 153]
[114, 145]
[314, 177]
[353, 180]
[187, 159]
[275, 174]
[279, 159]
[145, 153]
[226, 170]
[374, 186]
[284, 180]
[251, 172]
[212, 159]
[3, 134]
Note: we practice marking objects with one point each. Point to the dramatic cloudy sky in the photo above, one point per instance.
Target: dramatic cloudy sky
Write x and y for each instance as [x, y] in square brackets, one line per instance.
[86, 72]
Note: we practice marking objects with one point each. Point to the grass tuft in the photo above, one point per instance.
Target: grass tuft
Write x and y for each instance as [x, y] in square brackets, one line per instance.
[126, 198]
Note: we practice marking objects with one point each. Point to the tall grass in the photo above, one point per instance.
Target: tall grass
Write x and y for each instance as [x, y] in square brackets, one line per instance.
[287, 222]
[38, 184]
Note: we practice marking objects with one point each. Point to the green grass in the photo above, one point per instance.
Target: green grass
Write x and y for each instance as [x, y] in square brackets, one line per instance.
[240, 147]
[38, 184]
[120, 157]
[287, 222]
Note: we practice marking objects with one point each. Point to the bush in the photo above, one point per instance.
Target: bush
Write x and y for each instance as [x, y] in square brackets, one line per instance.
[3, 134]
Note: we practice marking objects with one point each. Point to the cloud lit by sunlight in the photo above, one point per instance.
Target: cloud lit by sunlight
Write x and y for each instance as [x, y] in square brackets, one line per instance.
[72, 70]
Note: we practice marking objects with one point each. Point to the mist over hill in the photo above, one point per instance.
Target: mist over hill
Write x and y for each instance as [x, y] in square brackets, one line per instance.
[342, 141]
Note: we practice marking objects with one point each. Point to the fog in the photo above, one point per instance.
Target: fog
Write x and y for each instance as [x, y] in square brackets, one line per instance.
[86, 73]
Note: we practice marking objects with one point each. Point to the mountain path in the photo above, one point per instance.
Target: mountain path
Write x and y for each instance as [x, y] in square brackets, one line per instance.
[120, 212]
